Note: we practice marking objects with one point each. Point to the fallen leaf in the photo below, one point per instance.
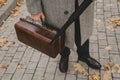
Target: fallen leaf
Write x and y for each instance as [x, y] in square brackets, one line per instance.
[113, 23]
[111, 64]
[4, 66]
[16, 10]
[108, 48]
[107, 67]
[3, 41]
[106, 75]
[11, 45]
[94, 76]
[19, 67]
[78, 67]
[1, 27]
[117, 68]
[2, 3]
[111, 28]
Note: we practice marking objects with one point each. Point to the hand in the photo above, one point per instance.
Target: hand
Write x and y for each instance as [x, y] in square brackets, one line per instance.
[39, 16]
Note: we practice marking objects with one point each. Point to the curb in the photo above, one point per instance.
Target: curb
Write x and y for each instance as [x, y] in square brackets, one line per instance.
[5, 10]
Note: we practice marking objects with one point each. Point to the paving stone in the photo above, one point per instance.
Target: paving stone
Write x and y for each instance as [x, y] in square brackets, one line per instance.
[18, 74]
[12, 50]
[7, 76]
[102, 46]
[93, 38]
[52, 69]
[101, 35]
[11, 68]
[117, 30]
[36, 77]
[99, 5]
[70, 76]
[49, 76]
[104, 61]
[116, 78]
[93, 48]
[21, 48]
[102, 42]
[17, 57]
[9, 55]
[24, 62]
[94, 55]
[28, 52]
[27, 77]
[110, 33]
[18, 54]
[2, 71]
[55, 59]
[35, 57]
[71, 69]
[39, 73]
[32, 65]
[112, 40]
[114, 49]
[101, 26]
[43, 62]
[6, 60]
[82, 79]
[29, 71]
[2, 54]
[115, 58]
[116, 75]
[118, 38]
[107, 13]
[103, 53]
[99, 11]
[59, 75]
[11, 37]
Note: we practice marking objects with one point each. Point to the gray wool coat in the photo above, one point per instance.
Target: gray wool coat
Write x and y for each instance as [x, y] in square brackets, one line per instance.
[58, 11]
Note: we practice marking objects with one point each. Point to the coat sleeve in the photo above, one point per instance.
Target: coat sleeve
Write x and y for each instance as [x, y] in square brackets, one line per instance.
[34, 6]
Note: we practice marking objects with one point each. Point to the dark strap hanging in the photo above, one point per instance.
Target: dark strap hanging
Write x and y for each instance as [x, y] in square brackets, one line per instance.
[72, 18]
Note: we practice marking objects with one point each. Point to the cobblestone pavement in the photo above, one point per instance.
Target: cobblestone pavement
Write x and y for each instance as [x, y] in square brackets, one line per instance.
[26, 63]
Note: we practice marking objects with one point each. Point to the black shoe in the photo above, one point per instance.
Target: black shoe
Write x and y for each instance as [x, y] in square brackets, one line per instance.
[63, 64]
[91, 62]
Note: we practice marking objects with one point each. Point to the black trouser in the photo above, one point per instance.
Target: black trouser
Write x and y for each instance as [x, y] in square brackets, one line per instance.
[82, 50]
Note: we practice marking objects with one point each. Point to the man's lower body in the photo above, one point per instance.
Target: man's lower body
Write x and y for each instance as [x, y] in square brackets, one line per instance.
[83, 55]
[82, 50]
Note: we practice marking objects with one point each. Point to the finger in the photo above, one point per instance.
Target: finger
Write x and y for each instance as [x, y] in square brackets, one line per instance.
[42, 17]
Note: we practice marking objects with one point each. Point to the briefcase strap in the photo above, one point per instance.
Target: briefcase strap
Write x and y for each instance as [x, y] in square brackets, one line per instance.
[72, 18]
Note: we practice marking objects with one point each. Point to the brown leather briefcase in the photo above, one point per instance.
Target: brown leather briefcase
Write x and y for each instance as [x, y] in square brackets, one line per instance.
[39, 37]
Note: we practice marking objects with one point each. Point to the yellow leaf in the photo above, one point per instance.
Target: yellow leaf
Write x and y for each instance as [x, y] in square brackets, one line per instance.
[19, 67]
[3, 41]
[106, 76]
[108, 48]
[111, 64]
[117, 67]
[2, 2]
[4, 66]
[1, 27]
[80, 68]
[94, 76]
